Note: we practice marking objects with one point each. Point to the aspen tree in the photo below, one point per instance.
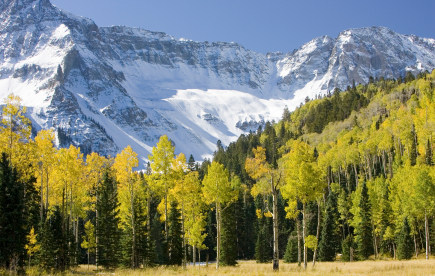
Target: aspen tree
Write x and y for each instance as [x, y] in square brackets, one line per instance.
[303, 181]
[217, 190]
[269, 181]
[161, 164]
[129, 185]
[45, 161]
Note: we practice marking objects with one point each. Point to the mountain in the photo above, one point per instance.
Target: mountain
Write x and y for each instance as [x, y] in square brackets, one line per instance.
[103, 88]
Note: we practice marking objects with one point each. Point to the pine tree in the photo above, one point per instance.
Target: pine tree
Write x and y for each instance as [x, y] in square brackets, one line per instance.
[405, 244]
[364, 238]
[329, 238]
[191, 163]
[429, 158]
[262, 252]
[12, 221]
[157, 253]
[348, 249]
[413, 150]
[175, 240]
[228, 253]
[291, 251]
[107, 230]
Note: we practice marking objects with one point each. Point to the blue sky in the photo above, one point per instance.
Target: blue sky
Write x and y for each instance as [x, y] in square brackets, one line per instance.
[259, 25]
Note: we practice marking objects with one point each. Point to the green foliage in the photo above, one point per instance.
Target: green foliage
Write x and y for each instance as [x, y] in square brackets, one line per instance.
[12, 221]
[107, 225]
[291, 250]
[329, 239]
[348, 249]
[405, 244]
[175, 240]
[228, 254]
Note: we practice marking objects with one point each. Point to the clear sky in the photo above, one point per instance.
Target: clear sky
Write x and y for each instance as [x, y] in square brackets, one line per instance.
[259, 25]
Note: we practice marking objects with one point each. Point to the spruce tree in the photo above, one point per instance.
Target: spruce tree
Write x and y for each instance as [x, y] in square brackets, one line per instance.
[348, 249]
[12, 221]
[405, 244]
[364, 238]
[175, 240]
[428, 158]
[291, 251]
[107, 230]
[228, 252]
[329, 239]
[157, 253]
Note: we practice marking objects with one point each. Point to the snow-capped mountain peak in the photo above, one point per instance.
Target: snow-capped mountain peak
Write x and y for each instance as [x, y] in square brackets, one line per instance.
[104, 88]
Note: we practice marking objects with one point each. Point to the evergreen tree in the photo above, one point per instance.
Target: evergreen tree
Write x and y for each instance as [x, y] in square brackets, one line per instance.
[210, 239]
[191, 163]
[57, 246]
[405, 244]
[228, 254]
[364, 238]
[12, 221]
[428, 158]
[108, 233]
[291, 251]
[348, 249]
[262, 246]
[175, 240]
[329, 238]
[157, 242]
[413, 153]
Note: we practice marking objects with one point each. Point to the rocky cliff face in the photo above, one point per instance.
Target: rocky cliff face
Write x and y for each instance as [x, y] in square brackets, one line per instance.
[106, 88]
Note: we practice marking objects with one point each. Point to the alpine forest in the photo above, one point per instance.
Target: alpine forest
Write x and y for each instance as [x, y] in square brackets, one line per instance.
[347, 176]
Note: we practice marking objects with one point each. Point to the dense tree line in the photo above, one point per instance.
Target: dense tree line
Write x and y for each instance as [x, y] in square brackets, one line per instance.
[347, 173]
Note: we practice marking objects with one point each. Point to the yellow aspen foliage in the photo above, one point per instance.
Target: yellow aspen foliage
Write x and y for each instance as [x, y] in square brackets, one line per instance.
[32, 245]
[15, 131]
[45, 162]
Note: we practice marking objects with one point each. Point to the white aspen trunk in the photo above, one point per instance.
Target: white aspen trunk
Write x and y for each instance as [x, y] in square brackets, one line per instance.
[194, 255]
[318, 232]
[218, 230]
[275, 228]
[46, 193]
[356, 174]
[426, 226]
[184, 237]
[304, 232]
[96, 228]
[298, 225]
[42, 195]
[415, 246]
[133, 245]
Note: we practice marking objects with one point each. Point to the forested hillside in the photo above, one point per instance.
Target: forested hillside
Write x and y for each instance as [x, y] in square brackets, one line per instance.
[350, 173]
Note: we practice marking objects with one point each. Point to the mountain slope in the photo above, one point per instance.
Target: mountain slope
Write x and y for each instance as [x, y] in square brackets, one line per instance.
[113, 86]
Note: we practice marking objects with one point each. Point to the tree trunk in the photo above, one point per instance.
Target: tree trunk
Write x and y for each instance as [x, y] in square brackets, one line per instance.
[42, 196]
[416, 247]
[356, 174]
[184, 237]
[426, 226]
[133, 243]
[194, 255]
[96, 229]
[218, 230]
[298, 225]
[318, 232]
[304, 234]
[166, 215]
[275, 229]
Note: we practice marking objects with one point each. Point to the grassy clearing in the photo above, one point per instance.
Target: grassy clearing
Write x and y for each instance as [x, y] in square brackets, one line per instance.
[412, 267]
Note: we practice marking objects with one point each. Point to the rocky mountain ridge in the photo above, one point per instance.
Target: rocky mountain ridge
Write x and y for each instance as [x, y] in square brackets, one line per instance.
[108, 87]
